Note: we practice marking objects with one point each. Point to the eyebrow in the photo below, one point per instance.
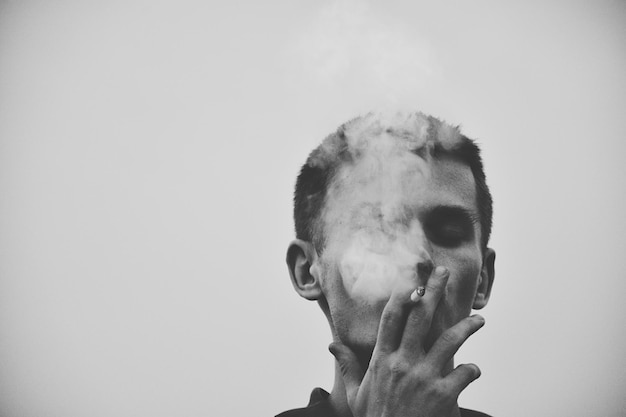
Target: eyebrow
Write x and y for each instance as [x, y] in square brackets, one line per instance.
[441, 212]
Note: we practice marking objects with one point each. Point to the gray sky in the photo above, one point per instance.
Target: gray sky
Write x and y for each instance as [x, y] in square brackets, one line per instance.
[148, 151]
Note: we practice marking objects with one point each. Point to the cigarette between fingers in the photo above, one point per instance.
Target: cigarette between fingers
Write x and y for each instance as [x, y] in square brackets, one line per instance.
[418, 293]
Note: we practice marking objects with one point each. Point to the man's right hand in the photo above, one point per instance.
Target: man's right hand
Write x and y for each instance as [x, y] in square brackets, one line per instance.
[403, 379]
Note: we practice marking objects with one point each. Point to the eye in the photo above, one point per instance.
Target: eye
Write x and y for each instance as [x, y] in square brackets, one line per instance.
[449, 228]
[448, 234]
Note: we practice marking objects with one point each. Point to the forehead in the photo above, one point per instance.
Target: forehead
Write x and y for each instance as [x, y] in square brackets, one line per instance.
[412, 185]
[451, 183]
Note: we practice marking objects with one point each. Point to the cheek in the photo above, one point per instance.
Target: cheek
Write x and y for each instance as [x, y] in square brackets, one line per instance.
[354, 320]
[464, 265]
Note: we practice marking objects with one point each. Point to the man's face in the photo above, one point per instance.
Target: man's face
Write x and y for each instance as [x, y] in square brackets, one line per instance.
[431, 218]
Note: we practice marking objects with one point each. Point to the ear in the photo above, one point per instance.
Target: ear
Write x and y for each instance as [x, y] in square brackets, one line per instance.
[485, 281]
[301, 257]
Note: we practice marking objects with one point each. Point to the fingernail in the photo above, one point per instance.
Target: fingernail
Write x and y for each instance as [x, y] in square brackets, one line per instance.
[479, 318]
[441, 270]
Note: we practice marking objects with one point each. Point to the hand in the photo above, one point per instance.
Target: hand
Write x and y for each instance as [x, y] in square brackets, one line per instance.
[402, 378]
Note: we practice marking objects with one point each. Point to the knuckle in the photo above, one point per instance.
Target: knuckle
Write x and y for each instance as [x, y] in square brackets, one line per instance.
[424, 375]
[436, 285]
[441, 388]
[433, 286]
[450, 337]
[399, 368]
[447, 390]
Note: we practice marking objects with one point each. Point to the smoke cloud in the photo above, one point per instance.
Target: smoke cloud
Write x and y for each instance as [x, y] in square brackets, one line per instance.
[354, 47]
[371, 232]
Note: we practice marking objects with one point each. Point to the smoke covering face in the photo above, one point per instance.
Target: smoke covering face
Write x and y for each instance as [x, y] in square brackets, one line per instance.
[371, 231]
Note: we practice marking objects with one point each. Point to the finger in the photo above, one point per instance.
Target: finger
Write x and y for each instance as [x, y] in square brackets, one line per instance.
[462, 376]
[435, 288]
[350, 368]
[451, 340]
[420, 317]
[393, 319]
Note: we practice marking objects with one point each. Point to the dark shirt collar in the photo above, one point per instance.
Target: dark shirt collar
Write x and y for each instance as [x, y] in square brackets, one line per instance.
[319, 406]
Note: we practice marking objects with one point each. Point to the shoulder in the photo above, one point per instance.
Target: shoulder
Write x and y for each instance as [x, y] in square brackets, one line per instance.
[318, 407]
[472, 413]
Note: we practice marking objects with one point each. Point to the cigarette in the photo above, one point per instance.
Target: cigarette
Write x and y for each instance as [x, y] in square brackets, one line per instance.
[418, 293]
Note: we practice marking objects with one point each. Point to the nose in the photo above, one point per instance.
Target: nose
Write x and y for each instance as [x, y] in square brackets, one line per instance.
[421, 246]
[425, 268]
[425, 264]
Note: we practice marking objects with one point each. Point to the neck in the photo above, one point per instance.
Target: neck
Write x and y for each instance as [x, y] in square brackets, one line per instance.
[338, 398]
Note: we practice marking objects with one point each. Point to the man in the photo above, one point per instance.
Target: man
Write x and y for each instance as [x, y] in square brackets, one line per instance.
[393, 218]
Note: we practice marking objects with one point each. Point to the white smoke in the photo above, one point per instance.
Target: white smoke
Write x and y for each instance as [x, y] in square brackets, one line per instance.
[372, 234]
[351, 46]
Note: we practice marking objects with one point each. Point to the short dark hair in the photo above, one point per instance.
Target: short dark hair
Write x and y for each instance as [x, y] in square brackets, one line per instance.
[317, 174]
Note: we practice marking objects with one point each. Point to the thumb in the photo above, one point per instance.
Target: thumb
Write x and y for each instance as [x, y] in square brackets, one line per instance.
[350, 368]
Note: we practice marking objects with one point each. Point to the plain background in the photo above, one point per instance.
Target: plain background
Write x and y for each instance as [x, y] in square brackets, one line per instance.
[148, 151]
